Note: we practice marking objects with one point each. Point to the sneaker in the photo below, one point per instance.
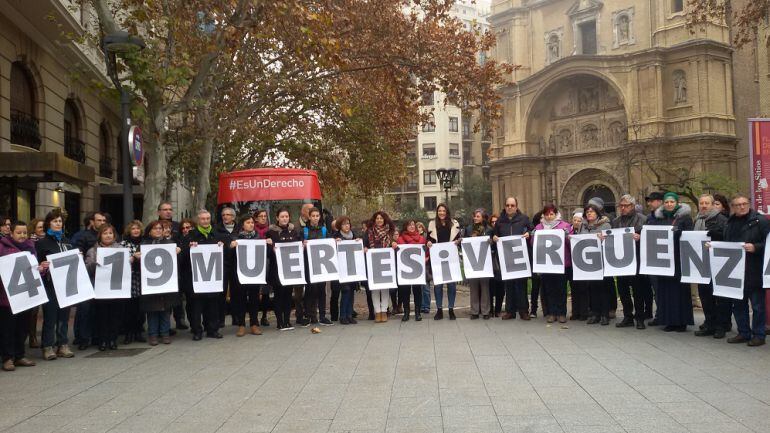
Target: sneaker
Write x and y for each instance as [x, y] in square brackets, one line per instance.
[49, 354]
[303, 323]
[756, 341]
[64, 352]
[284, 328]
[604, 321]
[704, 332]
[264, 322]
[325, 321]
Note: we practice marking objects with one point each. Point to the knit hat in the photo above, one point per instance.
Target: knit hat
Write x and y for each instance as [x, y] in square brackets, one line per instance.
[672, 195]
[577, 212]
[598, 202]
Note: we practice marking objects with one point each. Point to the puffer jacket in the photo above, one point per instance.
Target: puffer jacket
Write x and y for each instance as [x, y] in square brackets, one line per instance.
[603, 223]
[90, 259]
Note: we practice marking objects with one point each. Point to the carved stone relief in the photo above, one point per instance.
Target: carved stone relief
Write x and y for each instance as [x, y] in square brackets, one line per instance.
[617, 133]
[565, 141]
[589, 137]
[680, 87]
[588, 99]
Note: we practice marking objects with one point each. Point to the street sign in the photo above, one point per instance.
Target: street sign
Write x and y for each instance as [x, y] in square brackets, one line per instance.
[135, 146]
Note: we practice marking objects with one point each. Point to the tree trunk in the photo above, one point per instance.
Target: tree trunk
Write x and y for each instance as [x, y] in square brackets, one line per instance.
[155, 177]
[203, 184]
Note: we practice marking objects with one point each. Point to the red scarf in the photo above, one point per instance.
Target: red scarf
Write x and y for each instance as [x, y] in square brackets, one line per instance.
[379, 237]
[261, 229]
[411, 238]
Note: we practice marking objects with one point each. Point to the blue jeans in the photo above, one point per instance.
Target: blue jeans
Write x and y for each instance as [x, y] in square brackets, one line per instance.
[82, 325]
[346, 303]
[741, 312]
[451, 291]
[425, 298]
[158, 323]
[55, 322]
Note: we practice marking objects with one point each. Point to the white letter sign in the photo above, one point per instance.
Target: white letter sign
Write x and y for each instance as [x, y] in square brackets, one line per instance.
[158, 268]
[70, 278]
[445, 263]
[586, 257]
[619, 252]
[207, 268]
[411, 265]
[477, 257]
[694, 257]
[512, 254]
[351, 261]
[728, 264]
[113, 273]
[22, 281]
[291, 263]
[382, 268]
[657, 251]
[322, 260]
[251, 257]
[548, 252]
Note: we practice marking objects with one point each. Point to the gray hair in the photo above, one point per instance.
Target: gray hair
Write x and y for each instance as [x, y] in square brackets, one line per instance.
[706, 195]
[629, 198]
[225, 209]
[203, 211]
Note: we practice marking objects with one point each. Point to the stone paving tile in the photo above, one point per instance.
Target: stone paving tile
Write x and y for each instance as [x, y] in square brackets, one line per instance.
[447, 376]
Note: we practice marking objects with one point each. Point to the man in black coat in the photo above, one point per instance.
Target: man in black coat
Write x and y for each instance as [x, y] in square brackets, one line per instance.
[513, 222]
[716, 309]
[746, 225]
[227, 231]
[634, 308]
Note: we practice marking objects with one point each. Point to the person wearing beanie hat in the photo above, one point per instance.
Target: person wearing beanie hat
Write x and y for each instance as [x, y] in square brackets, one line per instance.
[675, 300]
[598, 202]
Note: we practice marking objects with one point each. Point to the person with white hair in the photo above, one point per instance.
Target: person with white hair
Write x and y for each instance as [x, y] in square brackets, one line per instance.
[633, 307]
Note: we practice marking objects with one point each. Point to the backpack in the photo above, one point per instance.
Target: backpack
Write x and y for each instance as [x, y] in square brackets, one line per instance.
[306, 231]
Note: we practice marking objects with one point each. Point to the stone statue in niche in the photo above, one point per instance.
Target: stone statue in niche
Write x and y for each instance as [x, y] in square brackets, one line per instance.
[588, 100]
[565, 140]
[623, 28]
[680, 87]
[590, 137]
[553, 48]
[617, 133]
[612, 98]
[552, 144]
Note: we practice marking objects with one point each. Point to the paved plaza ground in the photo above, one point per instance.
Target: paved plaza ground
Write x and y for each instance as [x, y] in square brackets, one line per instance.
[429, 376]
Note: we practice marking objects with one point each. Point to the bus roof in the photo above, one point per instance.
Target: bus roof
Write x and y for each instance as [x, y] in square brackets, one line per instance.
[268, 184]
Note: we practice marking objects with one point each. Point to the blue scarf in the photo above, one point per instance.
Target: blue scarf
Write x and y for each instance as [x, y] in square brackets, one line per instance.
[57, 234]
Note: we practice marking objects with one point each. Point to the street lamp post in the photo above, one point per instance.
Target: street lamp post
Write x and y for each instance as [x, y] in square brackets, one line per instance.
[447, 177]
[113, 45]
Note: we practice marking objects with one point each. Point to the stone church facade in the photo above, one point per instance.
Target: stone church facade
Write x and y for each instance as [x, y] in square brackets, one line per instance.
[609, 98]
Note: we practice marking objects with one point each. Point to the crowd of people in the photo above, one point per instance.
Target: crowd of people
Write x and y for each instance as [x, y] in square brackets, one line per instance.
[645, 300]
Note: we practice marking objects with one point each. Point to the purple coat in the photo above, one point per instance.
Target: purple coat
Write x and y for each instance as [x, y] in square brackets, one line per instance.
[7, 246]
[567, 227]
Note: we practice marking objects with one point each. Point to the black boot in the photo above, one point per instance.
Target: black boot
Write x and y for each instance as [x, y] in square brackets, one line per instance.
[627, 322]
[439, 314]
[406, 314]
[452, 314]
[640, 324]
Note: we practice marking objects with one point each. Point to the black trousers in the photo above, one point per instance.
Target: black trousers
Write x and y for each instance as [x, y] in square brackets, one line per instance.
[109, 318]
[334, 301]
[496, 295]
[206, 307]
[655, 295]
[13, 333]
[555, 293]
[580, 299]
[315, 301]
[598, 297]
[516, 296]
[534, 295]
[244, 298]
[133, 317]
[632, 291]
[282, 304]
[403, 297]
[716, 309]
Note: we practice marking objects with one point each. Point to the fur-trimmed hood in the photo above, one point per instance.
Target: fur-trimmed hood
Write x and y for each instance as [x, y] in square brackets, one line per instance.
[277, 228]
[684, 210]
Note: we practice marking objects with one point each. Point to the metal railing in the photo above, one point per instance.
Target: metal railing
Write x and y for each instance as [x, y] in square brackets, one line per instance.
[105, 167]
[75, 149]
[25, 130]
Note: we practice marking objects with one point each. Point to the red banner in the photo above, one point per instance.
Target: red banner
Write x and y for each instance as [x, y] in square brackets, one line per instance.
[759, 152]
[268, 184]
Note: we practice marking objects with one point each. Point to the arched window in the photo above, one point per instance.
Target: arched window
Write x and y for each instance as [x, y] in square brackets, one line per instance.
[105, 156]
[74, 148]
[25, 129]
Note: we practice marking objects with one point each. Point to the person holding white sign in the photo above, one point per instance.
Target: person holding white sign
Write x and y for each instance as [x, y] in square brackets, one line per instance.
[634, 307]
[108, 312]
[315, 293]
[380, 234]
[245, 297]
[595, 222]
[675, 307]
[158, 307]
[716, 309]
[283, 232]
[133, 318]
[479, 287]
[13, 327]
[444, 228]
[555, 285]
[748, 226]
[346, 233]
[513, 222]
[55, 319]
[410, 236]
[206, 314]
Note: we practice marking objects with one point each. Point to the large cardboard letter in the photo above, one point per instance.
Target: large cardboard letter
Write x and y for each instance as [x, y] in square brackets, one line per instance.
[512, 254]
[477, 257]
[657, 251]
[322, 260]
[445, 263]
[291, 263]
[586, 257]
[158, 268]
[113, 273]
[694, 257]
[766, 267]
[382, 268]
[22, 281]
[411, 265]
[728, 264]
[208, 268]
[548, 253]
[351, 261]
[70, 278]
[619, 252]
[251, 256]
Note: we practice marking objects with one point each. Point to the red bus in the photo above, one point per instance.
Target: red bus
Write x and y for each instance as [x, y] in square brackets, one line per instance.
[247, 191]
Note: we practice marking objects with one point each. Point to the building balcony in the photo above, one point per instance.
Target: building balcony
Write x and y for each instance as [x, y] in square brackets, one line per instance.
[454, 156]
[75, 149]
[429, 157]
[25, 130]
[105, 167]
[468, 161]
